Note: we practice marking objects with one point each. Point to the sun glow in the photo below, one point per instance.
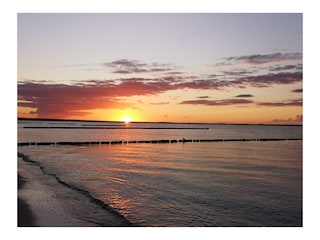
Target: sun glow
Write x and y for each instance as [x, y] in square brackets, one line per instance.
[126, 119]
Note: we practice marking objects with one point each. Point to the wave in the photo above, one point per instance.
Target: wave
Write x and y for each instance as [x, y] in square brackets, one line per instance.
[121, 219]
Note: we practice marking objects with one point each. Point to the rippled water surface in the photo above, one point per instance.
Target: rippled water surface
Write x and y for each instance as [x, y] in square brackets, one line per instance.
[256, 183]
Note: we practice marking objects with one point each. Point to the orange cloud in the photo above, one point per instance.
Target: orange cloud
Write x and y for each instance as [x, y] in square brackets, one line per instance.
[60, 100]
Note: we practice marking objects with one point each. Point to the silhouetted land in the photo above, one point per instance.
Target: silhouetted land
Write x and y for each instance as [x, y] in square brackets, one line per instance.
[100, 121]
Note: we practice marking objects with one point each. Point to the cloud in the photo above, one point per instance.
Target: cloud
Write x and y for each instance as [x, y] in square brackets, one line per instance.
[244, 95]
[261, 70]
[202, 84]
[203, 97]
[76, 65]
[258, 81]
[271, 79]
[174, 73]
[297, 120]
[236, 72]
[299, 90]
[122, 71]
[160, 103]
[223, 102]
[125, 66]
[63, 103]
[295, 102]
[285, 68]
[214, 75]
[258, 59]
[59, 100]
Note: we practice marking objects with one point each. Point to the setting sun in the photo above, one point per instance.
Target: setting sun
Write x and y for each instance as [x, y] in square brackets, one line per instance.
[126, 119]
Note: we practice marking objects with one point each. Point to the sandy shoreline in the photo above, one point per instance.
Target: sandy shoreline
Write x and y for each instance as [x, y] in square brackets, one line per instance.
[25, 216]
[43, 202]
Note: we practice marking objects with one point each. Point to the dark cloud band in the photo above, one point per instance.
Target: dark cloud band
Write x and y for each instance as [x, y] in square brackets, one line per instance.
[265, 58]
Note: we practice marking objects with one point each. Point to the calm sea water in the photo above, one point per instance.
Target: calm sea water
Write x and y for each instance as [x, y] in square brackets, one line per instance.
[182, 184]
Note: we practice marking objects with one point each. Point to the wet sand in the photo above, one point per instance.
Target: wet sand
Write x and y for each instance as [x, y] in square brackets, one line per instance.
[25, 216]
[43, 202]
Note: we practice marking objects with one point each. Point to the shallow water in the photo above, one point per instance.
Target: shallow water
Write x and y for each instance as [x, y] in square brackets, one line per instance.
[183, 184]
[85, 131]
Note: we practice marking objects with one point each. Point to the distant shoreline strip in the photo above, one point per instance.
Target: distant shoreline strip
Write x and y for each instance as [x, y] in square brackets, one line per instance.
[154, 141]
[100, 127]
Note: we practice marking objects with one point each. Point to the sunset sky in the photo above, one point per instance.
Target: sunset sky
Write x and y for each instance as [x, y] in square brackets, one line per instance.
[217, 68]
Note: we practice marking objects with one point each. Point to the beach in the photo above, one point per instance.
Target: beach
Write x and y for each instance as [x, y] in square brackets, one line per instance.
[43, 202]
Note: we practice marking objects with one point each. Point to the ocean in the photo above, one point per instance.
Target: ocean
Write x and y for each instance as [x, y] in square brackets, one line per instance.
[171, 174]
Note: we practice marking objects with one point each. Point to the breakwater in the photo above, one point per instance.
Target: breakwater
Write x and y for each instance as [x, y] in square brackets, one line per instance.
[163, 141]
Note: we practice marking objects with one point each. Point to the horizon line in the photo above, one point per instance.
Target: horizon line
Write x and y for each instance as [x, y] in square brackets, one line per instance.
[214, 123]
